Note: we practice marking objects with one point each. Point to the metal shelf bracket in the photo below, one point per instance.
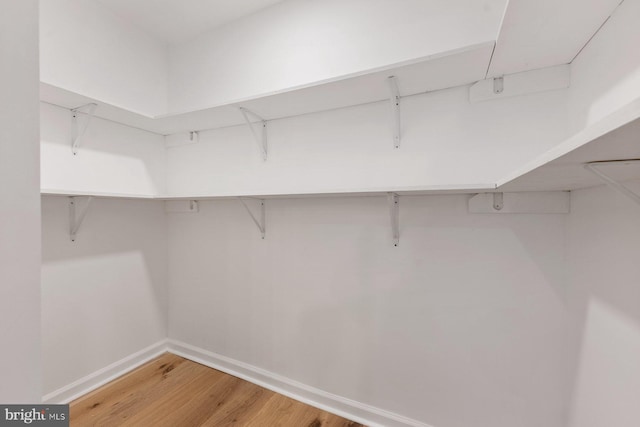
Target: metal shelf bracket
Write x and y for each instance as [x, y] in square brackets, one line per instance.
[194, 136]
[259, 222]
[77, 214]
[394, 100]
[394, 210]
[259, 136]
[498, 201]
[618, 186]
[498, 85]
[79, 125]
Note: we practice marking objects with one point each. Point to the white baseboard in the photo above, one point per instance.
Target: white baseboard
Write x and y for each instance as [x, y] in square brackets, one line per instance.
[109, 373]
[347, 408]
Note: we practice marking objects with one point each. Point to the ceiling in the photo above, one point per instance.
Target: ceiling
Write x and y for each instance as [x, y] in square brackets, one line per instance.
[177, 21]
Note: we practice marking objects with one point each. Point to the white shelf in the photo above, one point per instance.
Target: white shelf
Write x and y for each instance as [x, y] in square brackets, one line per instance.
[402, 191]
[448, 69]
[104, 195]
[615, 137]
[560, 169]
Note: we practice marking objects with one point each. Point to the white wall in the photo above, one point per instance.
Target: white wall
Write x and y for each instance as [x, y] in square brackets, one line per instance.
[104, 295]
[462, 324]
[606, 74]
[87, 49]
[112, 158]
[301, 42]
[446, 141]
[20, 358]
[603, 239]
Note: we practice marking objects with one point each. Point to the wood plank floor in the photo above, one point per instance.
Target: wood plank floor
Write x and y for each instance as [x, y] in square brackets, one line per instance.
[175, 392]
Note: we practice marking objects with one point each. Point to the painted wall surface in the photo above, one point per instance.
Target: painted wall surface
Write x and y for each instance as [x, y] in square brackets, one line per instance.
[446, 140]
[603, 237]
[112, 158]
[104, 295]
[462, 324]
[87, 49]
[606, 74]
[20, 358]
[301, 42]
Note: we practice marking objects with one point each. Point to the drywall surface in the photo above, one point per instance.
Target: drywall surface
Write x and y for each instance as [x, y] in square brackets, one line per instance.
[603, 237]
[296, 43]
[606, 74]
[445, 141]
[104, 295]
[87, 49]
[461, 325]
[112, 158]
[20, 359]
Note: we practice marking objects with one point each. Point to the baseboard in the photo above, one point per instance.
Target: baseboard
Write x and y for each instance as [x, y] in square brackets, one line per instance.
[347, 408]
[109, 373]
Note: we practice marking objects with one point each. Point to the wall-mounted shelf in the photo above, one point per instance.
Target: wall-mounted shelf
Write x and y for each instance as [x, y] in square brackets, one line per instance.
[562, 169]
[401, 191]
[448, 69]
[96, 194]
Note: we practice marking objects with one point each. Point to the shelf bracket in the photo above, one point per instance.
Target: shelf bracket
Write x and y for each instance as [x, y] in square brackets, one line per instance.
[78, 125]
[259, 135]
[77, 214]
[498, 201]
[498, 85]
[618, 186]
[528, 202]
[259, 222]
[394, 210]
[394, 100]
[194, 136]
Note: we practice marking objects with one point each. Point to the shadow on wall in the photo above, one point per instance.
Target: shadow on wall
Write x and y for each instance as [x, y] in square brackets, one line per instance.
[604, 296]
[454, 315]
[604, 75]
[110, 226]
[104, 295]
[469, 308]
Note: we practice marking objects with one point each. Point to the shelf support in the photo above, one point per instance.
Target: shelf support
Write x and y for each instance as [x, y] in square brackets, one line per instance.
[498, 85]
[194, 136]
[78, 126]
[259, 222]
[77, 214]
[528, 202]
[259, 136]
[394, 211]
[394, 100]
[498, 201]
[618, 186]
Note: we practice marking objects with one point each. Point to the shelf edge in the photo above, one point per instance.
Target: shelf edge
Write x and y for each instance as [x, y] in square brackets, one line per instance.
[613, 121]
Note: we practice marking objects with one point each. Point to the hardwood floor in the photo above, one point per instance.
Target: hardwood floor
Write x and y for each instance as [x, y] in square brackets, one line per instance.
[175, 392]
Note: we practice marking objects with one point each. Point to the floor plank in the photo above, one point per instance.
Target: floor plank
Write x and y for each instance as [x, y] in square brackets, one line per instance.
[171, 391]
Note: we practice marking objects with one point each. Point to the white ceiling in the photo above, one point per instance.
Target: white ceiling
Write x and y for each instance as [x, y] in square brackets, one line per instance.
[176, 21]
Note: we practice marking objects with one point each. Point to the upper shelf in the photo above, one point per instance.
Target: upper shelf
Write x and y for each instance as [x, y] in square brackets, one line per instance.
[615, 137]
[562, 169]
[402, 191]
[449, 69]
[559, 169]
